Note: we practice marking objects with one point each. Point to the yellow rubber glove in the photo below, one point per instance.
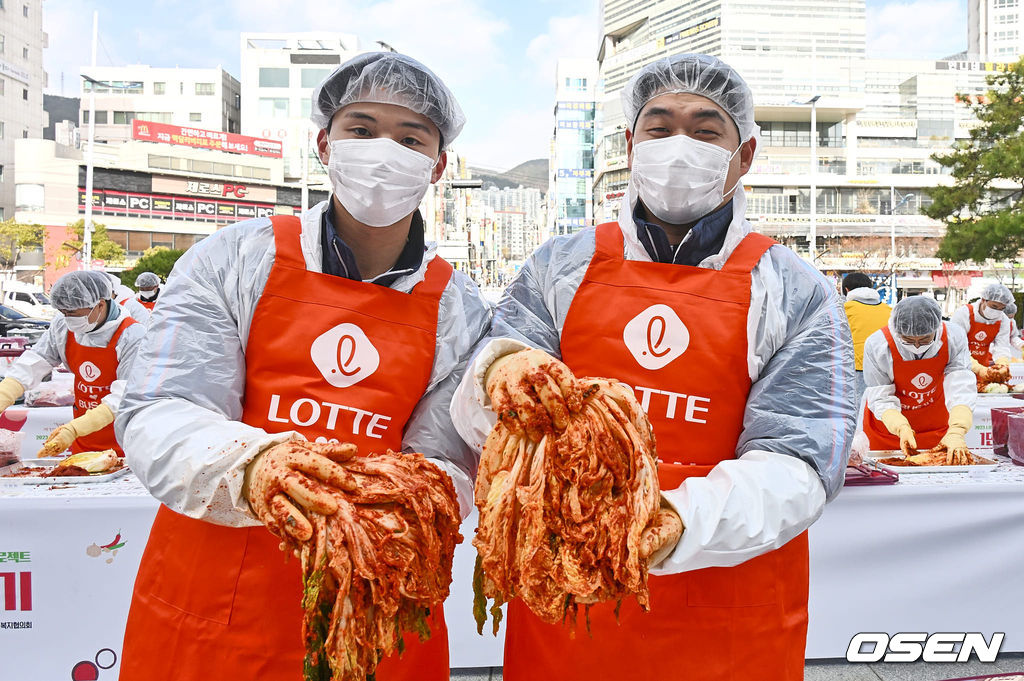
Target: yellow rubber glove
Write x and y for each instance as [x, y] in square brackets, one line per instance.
[10, 391]
[960, 420]
[1005, 361]
[61, 438]
[977, 367]
[898, 425]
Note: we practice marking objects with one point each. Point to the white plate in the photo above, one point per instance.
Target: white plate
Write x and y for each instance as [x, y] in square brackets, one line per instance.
[985, 465]
[62, 479]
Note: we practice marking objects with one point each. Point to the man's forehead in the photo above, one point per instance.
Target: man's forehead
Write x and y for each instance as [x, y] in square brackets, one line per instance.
[391, 113]
[681, 102]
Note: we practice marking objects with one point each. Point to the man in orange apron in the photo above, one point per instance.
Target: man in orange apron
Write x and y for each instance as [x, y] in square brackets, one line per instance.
[741, 355]
[97, 341]
[920, 390]
[149, 289]
[340, 324]
[987, 328]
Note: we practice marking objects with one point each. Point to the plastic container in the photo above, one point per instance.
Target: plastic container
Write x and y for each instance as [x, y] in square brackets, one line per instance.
[999, 427]
[1015, 438]
[10, 446]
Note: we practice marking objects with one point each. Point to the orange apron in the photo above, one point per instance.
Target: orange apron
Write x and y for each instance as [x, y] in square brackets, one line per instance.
[678, 335]
[922, 396]
[149, 305]
[980, 337]
[333, 359]
[95, 369]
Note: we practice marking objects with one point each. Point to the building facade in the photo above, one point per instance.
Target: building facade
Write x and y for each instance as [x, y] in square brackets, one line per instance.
[147, 194]
[279, 74]
[571, 179]
[995, 30]
[22, 80]
[878, 122]
[202, 98]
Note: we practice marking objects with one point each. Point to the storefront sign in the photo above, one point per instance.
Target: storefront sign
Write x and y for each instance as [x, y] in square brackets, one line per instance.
[12, 71]
[689, 32]
[576, 106]
[205, 139]
[873, 127]
[575, 172]
[576, 125]
[129, 204]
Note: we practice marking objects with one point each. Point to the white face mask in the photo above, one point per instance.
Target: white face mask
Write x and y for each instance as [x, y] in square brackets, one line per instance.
[914, 351]
[80, 324]
[991, 314]
[680, 179]
[379, 181]
[148, 295]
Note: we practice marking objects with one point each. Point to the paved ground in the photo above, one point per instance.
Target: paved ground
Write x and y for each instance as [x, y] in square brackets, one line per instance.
[843, 671]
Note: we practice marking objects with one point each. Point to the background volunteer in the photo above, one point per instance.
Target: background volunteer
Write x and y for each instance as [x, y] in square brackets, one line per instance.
[89, 315]
[916, 327]
[1015, 340]
[866, 313]
[798, 417]
[224, 312]
[148, 284]
[125, 297]
[987, 328]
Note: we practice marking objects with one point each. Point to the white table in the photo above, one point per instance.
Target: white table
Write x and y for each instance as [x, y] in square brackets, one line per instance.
[932, 553]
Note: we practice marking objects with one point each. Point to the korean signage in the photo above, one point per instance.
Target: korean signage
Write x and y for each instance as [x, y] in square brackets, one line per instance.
[970, 66]
[575, 106]
[575, 173]
[14, 72]
[576, 125]
[205, 139]
[219, 190]
[15, 588]
[689, 32]
[875, 127]
[130, 204]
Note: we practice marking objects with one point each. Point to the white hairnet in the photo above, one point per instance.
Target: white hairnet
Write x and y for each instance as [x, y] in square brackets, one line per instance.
[698, 74]
[389, 78]
[916, 316]
[77, 290]
[997, 293]
[147, 280]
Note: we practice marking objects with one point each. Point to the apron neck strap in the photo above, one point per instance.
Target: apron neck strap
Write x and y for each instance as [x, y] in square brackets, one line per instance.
[608, 243]
[747, 254]
[287, 241]
[435, 280]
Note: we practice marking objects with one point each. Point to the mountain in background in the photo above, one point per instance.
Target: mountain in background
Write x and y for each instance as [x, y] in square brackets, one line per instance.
[60, 109]
[529, 174]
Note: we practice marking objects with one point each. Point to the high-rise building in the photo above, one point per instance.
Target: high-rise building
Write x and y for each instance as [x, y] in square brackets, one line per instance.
[279, 74]
[571, 179]
[995, 30]
[207, 99]
[22, 80]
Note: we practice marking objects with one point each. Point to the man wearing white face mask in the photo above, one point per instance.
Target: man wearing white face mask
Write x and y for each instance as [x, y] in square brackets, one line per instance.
[740, 353]
[920, 389]
[97, 341]
[344, 311]
[987, 328]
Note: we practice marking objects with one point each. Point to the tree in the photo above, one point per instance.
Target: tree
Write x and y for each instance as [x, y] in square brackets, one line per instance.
[16, 238]
[984, 221]
[159, 260]
[102, 247]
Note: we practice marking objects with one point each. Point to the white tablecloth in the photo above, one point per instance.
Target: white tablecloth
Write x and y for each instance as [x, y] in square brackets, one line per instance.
[936, 552]
[34, 424]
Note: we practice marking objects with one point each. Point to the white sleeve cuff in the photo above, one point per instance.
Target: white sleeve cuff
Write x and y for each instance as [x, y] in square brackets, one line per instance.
[743, 508]
[470, 408]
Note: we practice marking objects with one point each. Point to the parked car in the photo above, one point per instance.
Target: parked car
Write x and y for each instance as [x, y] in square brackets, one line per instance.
[14, 323]
[27, 299]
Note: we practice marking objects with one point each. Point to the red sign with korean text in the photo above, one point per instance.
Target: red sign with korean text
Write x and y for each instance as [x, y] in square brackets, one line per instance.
[205, 139]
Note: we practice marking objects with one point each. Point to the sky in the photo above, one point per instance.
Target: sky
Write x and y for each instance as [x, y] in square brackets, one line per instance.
[497, 57]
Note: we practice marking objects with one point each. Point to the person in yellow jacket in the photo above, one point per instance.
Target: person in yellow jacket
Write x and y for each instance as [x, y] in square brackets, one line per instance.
[866, 313]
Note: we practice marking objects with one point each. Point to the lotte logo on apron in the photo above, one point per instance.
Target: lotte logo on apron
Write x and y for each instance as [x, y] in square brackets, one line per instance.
[89, 371]
[344, 355]
[921, 381]
[656, 336]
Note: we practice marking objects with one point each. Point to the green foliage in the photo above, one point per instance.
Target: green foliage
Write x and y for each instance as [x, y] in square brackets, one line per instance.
[15, 238]
[983, 221]
[102, 247]
[159, 260]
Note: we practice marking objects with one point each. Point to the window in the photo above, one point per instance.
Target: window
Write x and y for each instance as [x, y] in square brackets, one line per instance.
[24, 94]
[24, 134]
[306, 106]
[166, 240]
[2, 81]
[139, 241]
[29, 197]
[313, 77]
[154, 116]
[122, 117]
[1, 43]
[1, 173]
[24, 10]
[24, 52]
[101, 118]
[276, 107]
[273, 77]
[196, 117]
[205, 89]
[159, 88]
[1, 130]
